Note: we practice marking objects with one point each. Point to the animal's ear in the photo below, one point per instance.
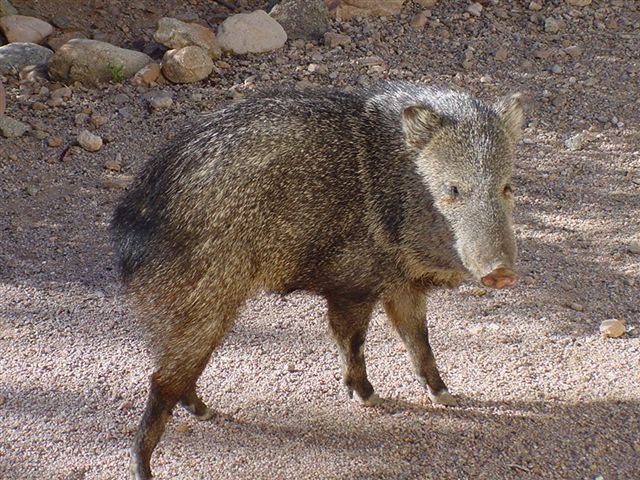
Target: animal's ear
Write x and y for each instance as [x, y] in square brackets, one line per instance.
[511, 111]
[419, 123]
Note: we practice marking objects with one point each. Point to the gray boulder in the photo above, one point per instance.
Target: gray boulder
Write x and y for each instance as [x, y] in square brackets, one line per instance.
[15, 56]
[92, 62]
[307, 19]
[254, 32]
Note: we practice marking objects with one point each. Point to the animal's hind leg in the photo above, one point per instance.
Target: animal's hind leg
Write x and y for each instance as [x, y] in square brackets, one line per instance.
[182, 357]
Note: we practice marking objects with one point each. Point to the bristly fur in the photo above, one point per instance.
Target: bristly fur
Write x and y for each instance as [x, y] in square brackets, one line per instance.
[347, 195]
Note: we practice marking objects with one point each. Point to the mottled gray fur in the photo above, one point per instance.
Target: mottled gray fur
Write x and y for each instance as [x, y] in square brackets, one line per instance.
[378, 195]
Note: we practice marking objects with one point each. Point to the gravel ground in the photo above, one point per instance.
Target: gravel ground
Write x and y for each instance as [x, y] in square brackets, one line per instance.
[542, 394]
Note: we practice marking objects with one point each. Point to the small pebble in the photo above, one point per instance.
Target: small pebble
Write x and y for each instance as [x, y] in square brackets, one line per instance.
[55, 142]
[612, 328]
[183, 427]
[551, 25]
[99, 120]
[475, 9]
[81, 119]
[501, 54]
[63, 92]
[55, 101]
[419, 20]
[113, 164]
[121, 99]
[118, 183]
[333, 40]
[89, 141]
[161, 101]
[634, 247]
[370, 61]
[575, 142]
[577, 307]
[574, 51]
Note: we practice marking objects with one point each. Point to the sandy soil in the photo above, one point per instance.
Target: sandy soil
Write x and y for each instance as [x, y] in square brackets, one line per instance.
[542, 394]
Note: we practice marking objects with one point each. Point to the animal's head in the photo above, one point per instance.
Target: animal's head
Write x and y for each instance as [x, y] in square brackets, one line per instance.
[466, 162]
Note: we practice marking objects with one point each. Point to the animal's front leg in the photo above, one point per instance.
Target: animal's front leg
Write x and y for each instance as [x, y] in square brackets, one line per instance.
[348, 323]
[406, 309]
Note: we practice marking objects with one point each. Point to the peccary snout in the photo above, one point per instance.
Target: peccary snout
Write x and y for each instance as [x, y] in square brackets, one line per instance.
[501, 277]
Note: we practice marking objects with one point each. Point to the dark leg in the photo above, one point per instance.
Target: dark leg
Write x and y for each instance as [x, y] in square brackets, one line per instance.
[348, 323]
[406, 310]
[182, 360]
[156, 415]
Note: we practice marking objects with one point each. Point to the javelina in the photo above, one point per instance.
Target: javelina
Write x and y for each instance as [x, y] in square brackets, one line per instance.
[378, 195]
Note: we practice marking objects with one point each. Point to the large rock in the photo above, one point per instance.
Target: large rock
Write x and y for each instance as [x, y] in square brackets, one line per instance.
[186, 65]
[18, 28]
[307, 19]
[254, 32]
[365, 8]
[15, 56]
[7, 9]
[173, 33]
[93, 62]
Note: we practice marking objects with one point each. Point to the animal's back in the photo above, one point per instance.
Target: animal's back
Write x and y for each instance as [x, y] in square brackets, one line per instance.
[259, 178]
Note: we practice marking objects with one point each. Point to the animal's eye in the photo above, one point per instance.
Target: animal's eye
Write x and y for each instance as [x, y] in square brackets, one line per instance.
[454, 192]
[507, 189]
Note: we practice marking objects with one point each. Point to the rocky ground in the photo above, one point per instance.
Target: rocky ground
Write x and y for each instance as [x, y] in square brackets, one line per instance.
[542, 393]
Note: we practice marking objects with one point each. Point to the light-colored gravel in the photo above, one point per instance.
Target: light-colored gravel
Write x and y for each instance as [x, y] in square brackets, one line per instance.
[543, 394]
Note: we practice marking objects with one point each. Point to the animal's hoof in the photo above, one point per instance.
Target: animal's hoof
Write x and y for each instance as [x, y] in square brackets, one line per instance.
[443, 398]
[198, 409]
[207, 415]
[372, 401]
